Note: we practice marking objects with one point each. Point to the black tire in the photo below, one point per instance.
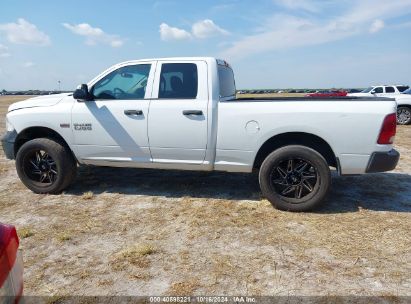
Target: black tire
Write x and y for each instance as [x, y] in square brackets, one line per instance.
[288, 188]
[403, 115]
[45, 166]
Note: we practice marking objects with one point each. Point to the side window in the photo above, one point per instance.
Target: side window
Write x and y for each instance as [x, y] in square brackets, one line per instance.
[227, 82]
[389, 90]
[402, 88]
[178, 80]
[127, 82]
[378, 90]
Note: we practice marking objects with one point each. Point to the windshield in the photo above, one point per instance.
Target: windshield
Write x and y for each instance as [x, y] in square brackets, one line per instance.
[367, 90]
[407, 91]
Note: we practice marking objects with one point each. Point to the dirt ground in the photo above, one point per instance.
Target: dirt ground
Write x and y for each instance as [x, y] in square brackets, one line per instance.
[146, 232]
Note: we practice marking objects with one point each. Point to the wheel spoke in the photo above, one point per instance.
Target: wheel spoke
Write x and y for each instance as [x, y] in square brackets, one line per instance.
[298, 191]
[287, 190]
[290, 165]
[280, 181]
[53, 171]
[282, 172]
[49, 177]
[307, 185]
[38, 156]
[37, 172]
[43, 177]
[308, 175]
[34, 165]
[301, 167]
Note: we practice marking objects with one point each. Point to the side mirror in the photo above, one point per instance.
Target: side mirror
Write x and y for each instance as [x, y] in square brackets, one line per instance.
[82, 94]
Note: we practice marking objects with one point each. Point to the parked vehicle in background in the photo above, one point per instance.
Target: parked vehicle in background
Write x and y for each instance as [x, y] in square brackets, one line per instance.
[354, 91]
[404, 107]
[182, 113]
[381, 91]
[11, 265]
[320, 94]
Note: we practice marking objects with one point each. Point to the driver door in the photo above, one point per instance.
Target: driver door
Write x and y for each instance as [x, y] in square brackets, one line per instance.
[378, 91]
[113, 127]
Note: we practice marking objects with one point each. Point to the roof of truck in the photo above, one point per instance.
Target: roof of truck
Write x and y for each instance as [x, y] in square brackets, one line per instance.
[172, 59]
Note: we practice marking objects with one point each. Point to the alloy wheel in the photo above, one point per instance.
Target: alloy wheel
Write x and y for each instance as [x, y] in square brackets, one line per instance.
[40, 167]
[403, 116]
[294, 178]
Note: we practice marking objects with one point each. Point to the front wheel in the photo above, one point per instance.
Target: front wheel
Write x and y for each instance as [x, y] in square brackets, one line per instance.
[403, 115]
[45, 166]
[295, 178]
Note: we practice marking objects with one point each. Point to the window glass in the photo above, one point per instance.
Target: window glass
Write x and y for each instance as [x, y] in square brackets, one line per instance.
[178, 80]
[408, 91]
[389, 90]
[367, 90]
[378, 90]
[127, 82]
[227, 82]
[402, 88]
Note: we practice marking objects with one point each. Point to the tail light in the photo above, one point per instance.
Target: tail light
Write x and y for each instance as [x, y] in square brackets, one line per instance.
[11, 264]
[388, 130]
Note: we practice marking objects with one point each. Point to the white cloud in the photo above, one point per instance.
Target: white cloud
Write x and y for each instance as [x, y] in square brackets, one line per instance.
[4, 51]
[201, 30]
[23, 32]
[28, 64]
[94, 35]
[377, 26]
[286, 31]
[207, 28]
[168, 33]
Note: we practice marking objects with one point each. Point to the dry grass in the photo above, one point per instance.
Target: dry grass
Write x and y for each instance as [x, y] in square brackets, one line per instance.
[87, 195]
[135, 252]
[25, 232]
[184, 288]
[210, 233]
[64, 236]
[136, 255]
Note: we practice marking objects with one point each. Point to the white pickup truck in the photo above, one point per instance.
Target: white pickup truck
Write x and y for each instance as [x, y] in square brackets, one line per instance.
[404, 107]
[381, 91]
[182, 113]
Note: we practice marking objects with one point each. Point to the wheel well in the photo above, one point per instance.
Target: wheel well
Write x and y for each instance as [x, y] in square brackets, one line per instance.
[296, 138]
[38, 132]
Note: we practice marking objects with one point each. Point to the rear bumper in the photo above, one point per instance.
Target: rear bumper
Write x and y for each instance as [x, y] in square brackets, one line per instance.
[383, 161]
[7, 142]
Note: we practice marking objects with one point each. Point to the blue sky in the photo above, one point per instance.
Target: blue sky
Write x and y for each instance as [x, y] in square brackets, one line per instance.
[270, 43]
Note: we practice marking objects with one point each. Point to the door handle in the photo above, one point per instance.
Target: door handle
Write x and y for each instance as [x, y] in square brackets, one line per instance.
[133, 112]
[192, 112]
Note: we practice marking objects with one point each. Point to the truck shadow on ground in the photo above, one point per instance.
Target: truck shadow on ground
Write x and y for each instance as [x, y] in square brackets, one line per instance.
[378, 192]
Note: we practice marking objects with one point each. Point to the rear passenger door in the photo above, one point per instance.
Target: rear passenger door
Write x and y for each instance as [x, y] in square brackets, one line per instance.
[389, 91]
[177, 121]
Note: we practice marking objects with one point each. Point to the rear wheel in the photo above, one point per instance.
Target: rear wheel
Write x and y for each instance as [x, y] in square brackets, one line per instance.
[45, 166]
[295, 178]
[403, 115]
